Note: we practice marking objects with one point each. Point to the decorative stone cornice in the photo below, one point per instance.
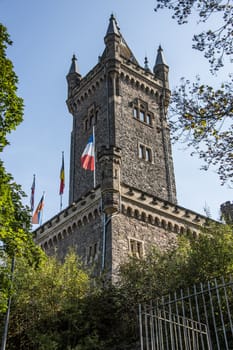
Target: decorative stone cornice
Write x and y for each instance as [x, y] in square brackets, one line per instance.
[141, 74]
[150, 205]
[70, 215]
[136, 74]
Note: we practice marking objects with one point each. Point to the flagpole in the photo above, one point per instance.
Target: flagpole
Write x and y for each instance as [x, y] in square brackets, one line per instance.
[61, 193]
[42, 211]
[94, 174]
[60, 202]
[32, 199]
[62, 181]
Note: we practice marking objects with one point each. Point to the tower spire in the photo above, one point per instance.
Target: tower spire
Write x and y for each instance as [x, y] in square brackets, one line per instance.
[116, 46]
[74, 66]
[113, 27]
[73, 77]
[161, 68]
[160, 57]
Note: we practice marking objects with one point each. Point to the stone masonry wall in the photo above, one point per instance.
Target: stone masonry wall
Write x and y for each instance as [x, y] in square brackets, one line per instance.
[130, 133]
[127, 229]
[91, 110]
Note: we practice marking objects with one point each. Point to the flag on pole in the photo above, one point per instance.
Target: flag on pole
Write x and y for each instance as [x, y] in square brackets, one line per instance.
[37, 216]
[88, 155]
[62, 176]
[33, 192]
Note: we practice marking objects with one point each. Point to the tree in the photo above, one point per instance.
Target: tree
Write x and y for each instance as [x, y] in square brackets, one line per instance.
[193, 260]
[14, 216]
[215, 43]
[57, 307]
[11, 106]
[184, 281]
[46, 303]
[201, 115]
[205, 122]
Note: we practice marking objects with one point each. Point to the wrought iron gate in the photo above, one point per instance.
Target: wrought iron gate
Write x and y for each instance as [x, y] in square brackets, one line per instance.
[199, 318]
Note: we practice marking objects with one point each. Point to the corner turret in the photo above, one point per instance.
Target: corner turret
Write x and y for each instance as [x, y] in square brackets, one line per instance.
[161, 68]
[110, 164]
[116, 46]
[73, 77]
[112, 39]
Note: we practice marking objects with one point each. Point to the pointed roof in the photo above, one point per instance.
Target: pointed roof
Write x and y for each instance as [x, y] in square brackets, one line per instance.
[74, 66]
[112, 27]
[160, 57]
[124, 49]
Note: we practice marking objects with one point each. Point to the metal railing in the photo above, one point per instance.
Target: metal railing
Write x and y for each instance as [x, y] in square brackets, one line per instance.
[196, 318]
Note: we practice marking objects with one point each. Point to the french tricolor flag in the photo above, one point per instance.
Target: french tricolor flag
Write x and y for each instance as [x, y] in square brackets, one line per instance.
[88, 155]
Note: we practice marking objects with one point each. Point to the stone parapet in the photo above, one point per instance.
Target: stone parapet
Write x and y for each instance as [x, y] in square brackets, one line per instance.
[156, 211]
[78, 213]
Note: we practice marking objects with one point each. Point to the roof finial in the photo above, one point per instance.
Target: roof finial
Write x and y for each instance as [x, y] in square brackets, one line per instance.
[146, 66]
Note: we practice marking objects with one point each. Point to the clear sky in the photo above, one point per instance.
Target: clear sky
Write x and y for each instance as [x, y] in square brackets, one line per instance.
[46, 33]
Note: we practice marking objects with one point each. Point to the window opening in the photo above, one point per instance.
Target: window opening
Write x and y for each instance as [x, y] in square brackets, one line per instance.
[95, 250]
[91, 120]
[145, 153]
[90, 253]
[141, 151]
[142, 116]
[148, 155]
[86, 124]
[148, 119]
[136, 248]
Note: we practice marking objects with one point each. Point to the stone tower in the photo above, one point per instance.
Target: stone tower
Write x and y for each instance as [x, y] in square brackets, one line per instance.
[128, 106]
[132, 204]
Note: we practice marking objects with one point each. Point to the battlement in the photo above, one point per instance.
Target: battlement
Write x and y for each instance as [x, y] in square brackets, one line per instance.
[77, 214]
[128, 71]
[156, 211]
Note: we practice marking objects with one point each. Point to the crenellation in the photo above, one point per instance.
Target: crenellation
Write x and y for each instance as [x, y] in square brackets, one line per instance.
[69, 214]
[156, 204]
[140, 71]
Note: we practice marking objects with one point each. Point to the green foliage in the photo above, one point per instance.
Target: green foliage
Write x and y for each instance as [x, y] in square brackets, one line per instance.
[14, 232]
[54, 307]
[211, 255]
[109, 319]
[202, 117]
[173, 274]
[11, 106]
[14, 216]
[44, 302]
[155, 275]
[193, 260]
[216, 42]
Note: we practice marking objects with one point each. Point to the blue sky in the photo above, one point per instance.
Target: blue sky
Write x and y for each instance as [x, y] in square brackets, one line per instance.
[46, 33]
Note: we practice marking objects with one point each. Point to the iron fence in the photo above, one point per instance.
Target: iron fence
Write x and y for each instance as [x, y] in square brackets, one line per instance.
[197, 318]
